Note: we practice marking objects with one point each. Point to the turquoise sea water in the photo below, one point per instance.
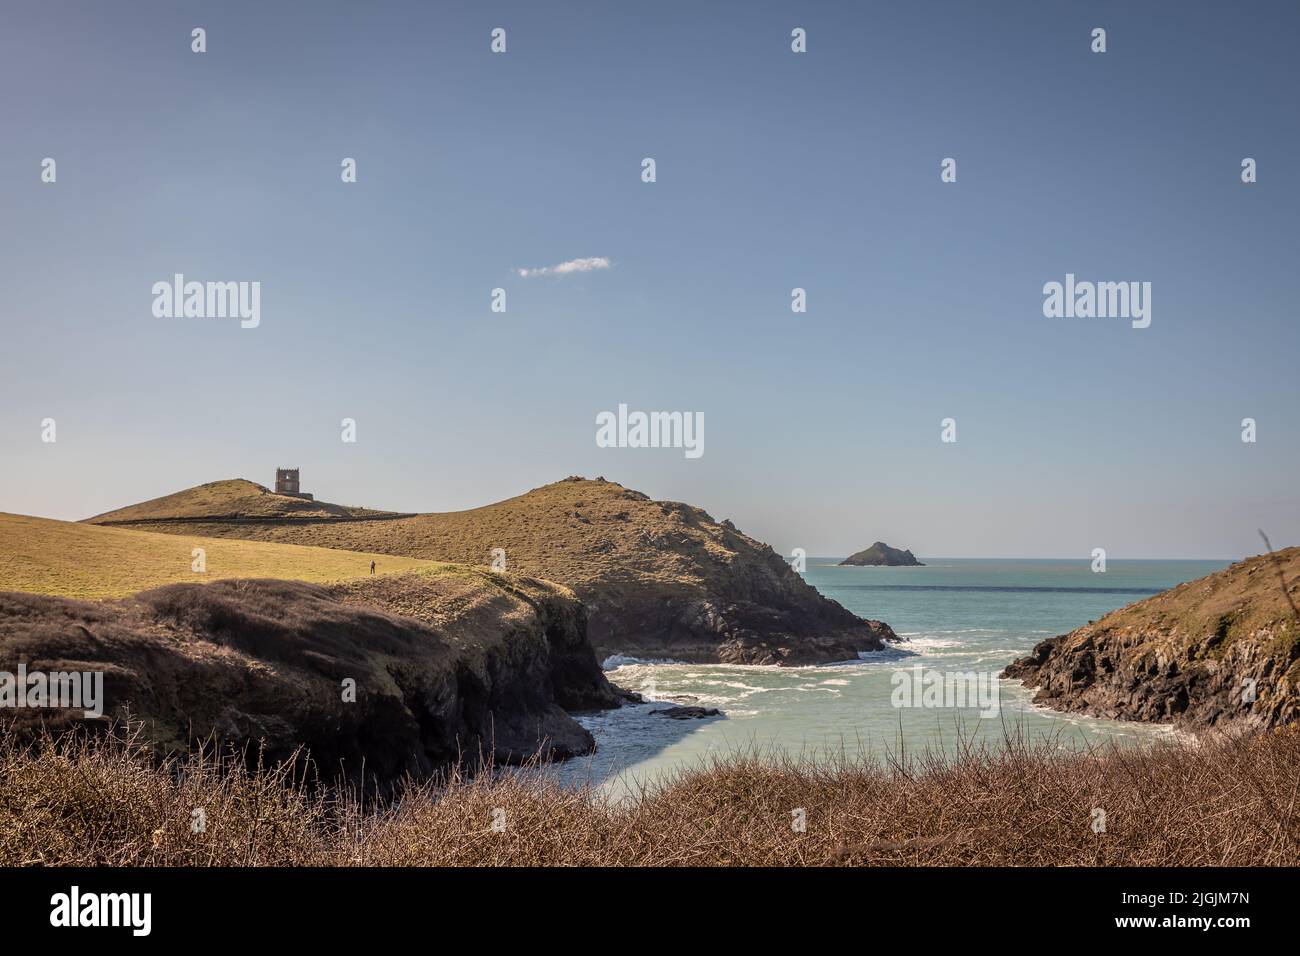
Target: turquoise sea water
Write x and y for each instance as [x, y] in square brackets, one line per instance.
[959, 616]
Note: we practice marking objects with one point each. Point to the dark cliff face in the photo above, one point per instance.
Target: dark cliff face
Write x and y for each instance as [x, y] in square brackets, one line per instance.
[1224, 649]
[489, 670]
[882, 555]
[753, 608]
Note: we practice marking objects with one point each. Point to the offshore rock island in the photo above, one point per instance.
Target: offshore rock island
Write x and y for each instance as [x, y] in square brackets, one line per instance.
[882, 555]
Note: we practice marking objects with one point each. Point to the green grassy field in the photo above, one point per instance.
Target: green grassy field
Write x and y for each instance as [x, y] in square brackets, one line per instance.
[85, 561]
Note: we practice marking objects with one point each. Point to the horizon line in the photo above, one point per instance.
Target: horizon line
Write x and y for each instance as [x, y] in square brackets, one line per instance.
[1010, 557]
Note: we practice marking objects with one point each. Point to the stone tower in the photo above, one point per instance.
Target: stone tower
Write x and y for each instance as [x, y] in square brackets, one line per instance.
[286, 483]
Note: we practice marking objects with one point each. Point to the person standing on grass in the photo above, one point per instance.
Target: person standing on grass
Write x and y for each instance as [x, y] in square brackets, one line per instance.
[372, 567]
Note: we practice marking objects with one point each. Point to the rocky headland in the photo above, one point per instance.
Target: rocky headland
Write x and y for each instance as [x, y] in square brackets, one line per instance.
[660, 579]
[1220, 650]
[380, 677]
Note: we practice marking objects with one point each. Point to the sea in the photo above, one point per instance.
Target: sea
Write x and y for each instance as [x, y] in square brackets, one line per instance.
[962, 621]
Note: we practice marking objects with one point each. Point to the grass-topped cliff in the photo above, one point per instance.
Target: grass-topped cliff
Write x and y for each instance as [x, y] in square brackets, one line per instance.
[444, 659]
[401, 674]
[661, 578]
[1221, 649]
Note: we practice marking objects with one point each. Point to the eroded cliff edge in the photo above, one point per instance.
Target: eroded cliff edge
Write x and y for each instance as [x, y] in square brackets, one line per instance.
[1223, 649]
[446, 667]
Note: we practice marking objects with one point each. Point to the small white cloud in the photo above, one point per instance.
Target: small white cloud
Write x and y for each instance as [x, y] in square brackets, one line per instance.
[565, 268]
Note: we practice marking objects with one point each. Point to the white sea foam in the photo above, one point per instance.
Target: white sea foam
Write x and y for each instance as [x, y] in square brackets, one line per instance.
[848, 700]
[615, 661]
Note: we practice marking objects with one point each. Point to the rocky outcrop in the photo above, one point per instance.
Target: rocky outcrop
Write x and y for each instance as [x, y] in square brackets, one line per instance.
[661, 579]
[1224, 649]
[882, 555]
[686, 713]
[444, 668]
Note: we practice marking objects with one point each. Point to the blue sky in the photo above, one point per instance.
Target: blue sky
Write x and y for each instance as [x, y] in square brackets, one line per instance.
[775, 170]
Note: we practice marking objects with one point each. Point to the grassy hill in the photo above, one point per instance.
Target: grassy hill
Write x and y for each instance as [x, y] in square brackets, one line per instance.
[231, 498]
[661, 578]
[80, 560]
[1188, 654]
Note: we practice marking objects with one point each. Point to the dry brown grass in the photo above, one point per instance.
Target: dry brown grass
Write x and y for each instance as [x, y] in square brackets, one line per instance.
[1236, 602]
[44, 556]
[660, 578]
[572, 531]
[227, 498]
[1227, 801]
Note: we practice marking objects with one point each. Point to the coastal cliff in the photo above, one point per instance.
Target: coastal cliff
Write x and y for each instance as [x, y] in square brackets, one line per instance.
[1223, 649]
[661, 579]
[457, 664]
